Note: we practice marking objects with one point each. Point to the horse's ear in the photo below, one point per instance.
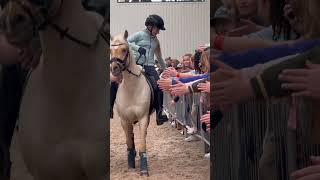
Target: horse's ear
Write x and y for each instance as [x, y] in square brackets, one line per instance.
[125, 36]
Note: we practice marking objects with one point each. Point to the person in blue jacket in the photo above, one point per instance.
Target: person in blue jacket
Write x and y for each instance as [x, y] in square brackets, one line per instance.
[146, 47]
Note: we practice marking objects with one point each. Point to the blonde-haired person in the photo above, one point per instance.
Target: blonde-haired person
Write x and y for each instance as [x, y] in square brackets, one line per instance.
[186, 63]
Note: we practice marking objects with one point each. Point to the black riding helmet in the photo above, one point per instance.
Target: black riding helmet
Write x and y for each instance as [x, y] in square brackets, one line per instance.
[155, 20]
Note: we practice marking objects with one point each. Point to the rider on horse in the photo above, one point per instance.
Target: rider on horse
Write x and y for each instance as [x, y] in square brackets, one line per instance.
[145, 46]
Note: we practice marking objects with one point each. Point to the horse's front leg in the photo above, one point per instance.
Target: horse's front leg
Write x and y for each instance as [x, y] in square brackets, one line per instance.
[128, 129]
[143, 153]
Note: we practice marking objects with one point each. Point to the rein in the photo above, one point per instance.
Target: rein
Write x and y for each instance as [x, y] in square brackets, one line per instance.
[64, 31]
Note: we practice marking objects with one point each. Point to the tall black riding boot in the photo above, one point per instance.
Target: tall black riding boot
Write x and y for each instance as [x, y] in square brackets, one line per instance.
[159, 117]
[113, 95]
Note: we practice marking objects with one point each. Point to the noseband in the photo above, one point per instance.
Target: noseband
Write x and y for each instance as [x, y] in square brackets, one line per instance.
[38, 26]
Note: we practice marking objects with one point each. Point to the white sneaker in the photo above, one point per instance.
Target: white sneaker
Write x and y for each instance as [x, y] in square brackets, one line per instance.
[191, 130]
[207, 155]
[173, 124]
[191, 138]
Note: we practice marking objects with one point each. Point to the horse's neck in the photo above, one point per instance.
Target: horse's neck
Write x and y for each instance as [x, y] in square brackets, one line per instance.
[80, 25]
[130, 79]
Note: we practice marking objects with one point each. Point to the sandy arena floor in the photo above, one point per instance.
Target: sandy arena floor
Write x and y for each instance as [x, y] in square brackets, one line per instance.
[169, 156]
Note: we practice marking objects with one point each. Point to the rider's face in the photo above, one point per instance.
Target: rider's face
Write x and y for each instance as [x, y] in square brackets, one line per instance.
[155, 31]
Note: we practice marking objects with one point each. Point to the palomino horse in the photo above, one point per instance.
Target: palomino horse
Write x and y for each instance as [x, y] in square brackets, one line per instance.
[133, 98]
[63, 117]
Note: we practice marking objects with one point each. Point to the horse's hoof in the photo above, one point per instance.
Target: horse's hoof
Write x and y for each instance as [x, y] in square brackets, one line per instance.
[131, 158]
[131, 165]
[144, 173]
[131, 169]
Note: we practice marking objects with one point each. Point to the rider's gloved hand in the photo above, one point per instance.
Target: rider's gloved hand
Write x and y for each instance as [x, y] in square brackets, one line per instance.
[142, 51]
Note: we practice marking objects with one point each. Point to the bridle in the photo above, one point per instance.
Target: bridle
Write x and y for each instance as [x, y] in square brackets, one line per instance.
[64, 32]
[123, 64]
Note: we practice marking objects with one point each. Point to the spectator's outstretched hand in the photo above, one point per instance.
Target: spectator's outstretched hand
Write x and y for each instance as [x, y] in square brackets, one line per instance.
[179, 89]
[206, 119]
[218, 75]
[309, 173]
[304, 82]
[164, 84]
[204, 87]
[223, 92]
[169, 72]
[201, 47]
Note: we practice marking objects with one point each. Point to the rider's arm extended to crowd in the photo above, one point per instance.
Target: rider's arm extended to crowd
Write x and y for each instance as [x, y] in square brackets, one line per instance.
[158, 55]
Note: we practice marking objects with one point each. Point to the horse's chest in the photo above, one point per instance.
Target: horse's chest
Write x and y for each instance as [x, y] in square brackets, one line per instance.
[133, 100]
[130, 109]
[130, 112]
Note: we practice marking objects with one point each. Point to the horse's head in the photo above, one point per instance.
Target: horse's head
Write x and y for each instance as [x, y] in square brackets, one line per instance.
[120, 53]
[22, 19]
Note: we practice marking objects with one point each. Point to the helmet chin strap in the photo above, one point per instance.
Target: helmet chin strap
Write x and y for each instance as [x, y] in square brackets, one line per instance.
[150, 30]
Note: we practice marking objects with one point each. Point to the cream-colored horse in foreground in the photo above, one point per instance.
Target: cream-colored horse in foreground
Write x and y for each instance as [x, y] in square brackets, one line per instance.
[133, 98]
[63, 118]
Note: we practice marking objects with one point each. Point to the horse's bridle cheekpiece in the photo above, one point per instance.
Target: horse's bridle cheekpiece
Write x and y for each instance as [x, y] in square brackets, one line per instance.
[123, 64]
[46, 21]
